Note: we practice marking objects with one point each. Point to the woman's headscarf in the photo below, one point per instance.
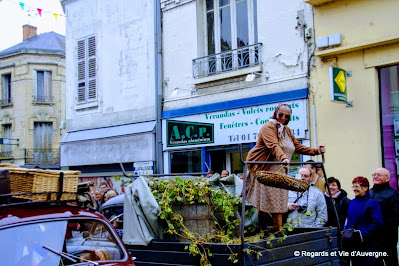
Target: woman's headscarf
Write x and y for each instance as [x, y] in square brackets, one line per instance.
[280, 127]
[285, 106]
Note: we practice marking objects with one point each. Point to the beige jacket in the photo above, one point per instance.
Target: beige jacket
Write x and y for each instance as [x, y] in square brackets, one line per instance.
[267, 148]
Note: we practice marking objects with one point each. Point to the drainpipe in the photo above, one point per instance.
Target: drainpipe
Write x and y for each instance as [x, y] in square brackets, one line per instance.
[158, 85]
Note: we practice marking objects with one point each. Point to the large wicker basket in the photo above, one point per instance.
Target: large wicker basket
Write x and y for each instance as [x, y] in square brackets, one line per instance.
[279, 180]
[24, 180]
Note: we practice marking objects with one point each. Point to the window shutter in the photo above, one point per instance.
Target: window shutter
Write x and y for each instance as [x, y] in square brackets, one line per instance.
[81, 71]
[92, 91]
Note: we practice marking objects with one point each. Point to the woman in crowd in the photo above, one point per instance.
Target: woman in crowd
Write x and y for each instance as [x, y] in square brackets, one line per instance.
[341, 202]
[275, 143]
[109, 195]
[99, 197]
[364, 214]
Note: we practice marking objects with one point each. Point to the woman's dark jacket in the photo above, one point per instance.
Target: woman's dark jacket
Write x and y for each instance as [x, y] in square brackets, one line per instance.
[341, 204]
[368, 220]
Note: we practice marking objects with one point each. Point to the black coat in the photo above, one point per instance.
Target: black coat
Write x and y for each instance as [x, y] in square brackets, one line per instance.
[389, 202]
[341, 204]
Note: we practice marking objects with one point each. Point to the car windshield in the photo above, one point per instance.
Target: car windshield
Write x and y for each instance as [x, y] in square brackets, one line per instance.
[39, 243]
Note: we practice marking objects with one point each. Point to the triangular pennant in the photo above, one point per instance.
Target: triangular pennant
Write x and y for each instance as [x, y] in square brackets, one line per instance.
[22, 5]
[55, 14]
[39, 10]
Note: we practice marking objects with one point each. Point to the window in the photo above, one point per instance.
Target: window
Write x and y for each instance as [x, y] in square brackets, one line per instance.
[44, 87]
[6, 149]
[230, 24]
[43, 143]
[87, 70]
[389, 104]
[185, 161]
[6, 90]
[230, 36]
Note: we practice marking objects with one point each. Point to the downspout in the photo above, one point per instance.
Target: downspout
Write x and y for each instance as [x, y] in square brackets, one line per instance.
[158, 85]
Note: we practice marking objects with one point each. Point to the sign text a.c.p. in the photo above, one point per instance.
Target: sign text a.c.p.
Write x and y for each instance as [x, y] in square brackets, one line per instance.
[181, 133]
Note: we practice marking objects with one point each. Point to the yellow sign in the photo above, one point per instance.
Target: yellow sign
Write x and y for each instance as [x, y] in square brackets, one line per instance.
[340, 79]
[337, 84]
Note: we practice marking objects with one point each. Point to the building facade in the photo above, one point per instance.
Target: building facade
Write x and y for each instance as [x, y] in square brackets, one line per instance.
[32, 107]
[361, 133]
[226, 67]
[111, 94]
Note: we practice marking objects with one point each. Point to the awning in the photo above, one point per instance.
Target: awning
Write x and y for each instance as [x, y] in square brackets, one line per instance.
[109, 145]
[108, 132]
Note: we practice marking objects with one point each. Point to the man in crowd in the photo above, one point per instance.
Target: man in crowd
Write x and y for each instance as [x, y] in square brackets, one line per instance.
[307, 209]
[104, 187]
[389, 202]
[123, 187]
[225, 173]
[211, 173]
[316, 180]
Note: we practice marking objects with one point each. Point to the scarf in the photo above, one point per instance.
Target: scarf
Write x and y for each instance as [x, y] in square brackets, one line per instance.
[335, 196]
[280, 128]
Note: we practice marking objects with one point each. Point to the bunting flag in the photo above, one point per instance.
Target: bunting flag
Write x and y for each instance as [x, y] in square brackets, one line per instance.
[29, 9]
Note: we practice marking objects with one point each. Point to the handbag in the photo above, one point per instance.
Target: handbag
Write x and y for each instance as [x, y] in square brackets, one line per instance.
[352, 238]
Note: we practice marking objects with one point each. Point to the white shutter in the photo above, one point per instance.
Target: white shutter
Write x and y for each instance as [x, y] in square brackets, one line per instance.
[92, 91]
[87, 70]
[48, 85]
[43, 136]
[81, 71]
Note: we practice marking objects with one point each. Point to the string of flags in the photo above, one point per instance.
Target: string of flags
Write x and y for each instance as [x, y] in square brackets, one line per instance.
[37, 10]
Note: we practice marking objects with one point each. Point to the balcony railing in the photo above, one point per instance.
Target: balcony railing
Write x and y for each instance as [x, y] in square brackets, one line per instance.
[39, 156]
[230, 60]
[5, 154]
[43, 99]
[5, 102]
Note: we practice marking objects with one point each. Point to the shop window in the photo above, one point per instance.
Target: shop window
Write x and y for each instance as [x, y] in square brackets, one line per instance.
[185, 161]
[389, 102]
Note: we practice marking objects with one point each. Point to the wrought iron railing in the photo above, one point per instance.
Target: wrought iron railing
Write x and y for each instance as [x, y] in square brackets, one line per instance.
[5, 101]
[230, 60]
[43, 99]
[40, 156]
[5, 154]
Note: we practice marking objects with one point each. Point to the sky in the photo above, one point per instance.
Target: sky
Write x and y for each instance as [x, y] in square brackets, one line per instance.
[13, 17]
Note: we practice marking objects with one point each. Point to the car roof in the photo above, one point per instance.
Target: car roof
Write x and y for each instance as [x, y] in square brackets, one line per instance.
[22, 213]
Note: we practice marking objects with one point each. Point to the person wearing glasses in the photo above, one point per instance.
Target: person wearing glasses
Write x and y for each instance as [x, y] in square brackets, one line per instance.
[317, 181]
[389, 202]
[277, 143]
[308, 208]
[364, 214]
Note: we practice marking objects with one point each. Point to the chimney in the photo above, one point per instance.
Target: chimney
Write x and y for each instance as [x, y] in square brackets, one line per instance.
[29, 31]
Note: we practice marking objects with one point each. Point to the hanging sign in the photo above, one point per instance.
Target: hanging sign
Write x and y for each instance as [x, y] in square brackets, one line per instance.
[338, 85]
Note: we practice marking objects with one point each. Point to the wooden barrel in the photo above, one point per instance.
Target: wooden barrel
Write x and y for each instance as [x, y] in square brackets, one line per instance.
[197, 217]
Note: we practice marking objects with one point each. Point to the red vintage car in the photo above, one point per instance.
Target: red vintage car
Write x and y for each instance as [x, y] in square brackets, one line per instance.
[55, 233]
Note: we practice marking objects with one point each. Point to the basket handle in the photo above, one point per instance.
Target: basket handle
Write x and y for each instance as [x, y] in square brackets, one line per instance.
[61, 185]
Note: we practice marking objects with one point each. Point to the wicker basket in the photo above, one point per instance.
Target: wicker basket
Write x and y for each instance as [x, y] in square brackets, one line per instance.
[24, 180]
[280, 180]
